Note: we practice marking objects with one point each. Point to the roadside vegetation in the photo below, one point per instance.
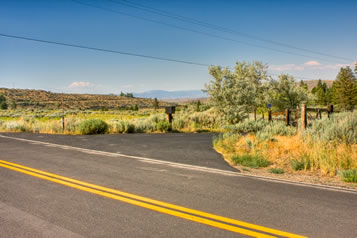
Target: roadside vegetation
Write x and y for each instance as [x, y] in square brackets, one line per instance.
[327, 148]
[236, 109]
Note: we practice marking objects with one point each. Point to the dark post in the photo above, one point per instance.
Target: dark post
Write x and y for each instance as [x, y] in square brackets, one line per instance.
[329, 110]
[318, 114]
[62, 114]
[169, 111]
[169, 117]
[297, 118]
[287, 117]
[269, 115]
[303, 116]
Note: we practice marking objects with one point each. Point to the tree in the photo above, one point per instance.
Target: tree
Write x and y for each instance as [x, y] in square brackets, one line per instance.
[322, 93]
[286, 93]
[3, 104]
[346, 89]
[198, 105]
[303, 85]
[155, 104]
[235, 94]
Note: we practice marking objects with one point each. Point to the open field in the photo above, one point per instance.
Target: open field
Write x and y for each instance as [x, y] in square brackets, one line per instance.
[146, 120]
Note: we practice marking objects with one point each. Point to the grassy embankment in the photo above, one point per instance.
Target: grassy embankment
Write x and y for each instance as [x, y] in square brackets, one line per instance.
[328, 148]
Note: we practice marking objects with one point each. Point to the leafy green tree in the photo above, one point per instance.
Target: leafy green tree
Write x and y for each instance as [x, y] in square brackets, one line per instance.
[235, 94]
[286, 93]
[346, 89]
[156, 104]
[3, 104]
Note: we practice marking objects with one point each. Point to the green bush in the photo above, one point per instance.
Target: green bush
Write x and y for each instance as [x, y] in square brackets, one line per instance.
[163, 126]
[125, 127]
[263, 129]
[3, 105]
[255, 161]
[349, 176]
[276, 171]
[93, 126]
[248, 126]
[302, 164]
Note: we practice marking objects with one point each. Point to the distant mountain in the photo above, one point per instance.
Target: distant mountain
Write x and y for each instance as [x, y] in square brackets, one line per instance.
[162, 94]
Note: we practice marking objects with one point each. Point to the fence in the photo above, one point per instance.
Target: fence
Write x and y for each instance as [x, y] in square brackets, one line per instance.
[303, 113]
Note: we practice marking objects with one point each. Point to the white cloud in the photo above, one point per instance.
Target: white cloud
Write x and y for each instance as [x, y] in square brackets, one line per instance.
[312, 63]
[81, 85]
[309, 65]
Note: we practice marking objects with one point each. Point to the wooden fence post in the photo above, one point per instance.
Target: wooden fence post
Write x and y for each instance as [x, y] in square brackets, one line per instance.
[287, 117]
[269, 116]
[318, 114]
[303, 116]
[297, 118]
[329, 110]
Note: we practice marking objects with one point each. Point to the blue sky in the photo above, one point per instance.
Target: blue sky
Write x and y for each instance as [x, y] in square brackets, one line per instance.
[323, 26]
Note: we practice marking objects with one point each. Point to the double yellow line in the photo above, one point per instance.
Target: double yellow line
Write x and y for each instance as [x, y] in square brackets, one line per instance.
[167, 208]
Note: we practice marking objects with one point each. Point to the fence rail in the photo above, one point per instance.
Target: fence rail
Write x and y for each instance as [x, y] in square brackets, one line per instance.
[304, 113]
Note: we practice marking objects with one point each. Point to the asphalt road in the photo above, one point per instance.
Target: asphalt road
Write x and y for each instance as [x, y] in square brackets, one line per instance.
[173, 169]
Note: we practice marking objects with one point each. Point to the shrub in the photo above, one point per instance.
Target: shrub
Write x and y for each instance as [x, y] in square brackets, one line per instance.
[302, 164]
[125, 127]
[248, 126]
[93, 126]
[252, 161]
[145, 125]
[163, 126]
[3, 105]
[349, 176]
[275, 128]
[276, 171]
[341, 128]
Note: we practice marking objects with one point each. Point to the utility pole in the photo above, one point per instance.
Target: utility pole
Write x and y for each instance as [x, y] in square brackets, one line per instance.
[62, 114]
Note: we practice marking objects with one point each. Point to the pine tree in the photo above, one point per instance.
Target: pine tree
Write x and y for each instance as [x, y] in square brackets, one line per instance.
[156, 103]
[303, 85]
[346, 89]
[198, 105]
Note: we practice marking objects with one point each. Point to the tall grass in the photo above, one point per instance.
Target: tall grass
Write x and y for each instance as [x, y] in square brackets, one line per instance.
[326, 148]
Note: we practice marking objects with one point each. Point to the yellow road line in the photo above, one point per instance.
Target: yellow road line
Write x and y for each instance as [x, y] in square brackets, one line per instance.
[93, 187]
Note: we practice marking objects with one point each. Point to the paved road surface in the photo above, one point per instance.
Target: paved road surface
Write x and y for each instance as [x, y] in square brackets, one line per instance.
[178, 171]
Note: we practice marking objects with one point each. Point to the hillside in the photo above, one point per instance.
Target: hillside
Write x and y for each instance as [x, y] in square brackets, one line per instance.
[29, 98]
[312, 83]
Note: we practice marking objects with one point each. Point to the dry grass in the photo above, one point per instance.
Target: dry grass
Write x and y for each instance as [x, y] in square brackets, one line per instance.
[319, 158]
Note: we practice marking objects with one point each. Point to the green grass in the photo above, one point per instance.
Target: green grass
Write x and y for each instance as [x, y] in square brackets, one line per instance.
[276, 171]
[302, 164]
[349, 176]
[255, 161]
